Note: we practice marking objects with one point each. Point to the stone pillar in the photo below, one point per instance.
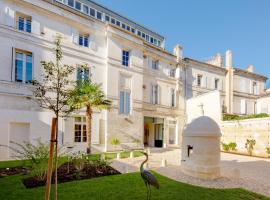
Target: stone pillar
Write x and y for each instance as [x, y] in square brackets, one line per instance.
[229, 83]
[178, 52]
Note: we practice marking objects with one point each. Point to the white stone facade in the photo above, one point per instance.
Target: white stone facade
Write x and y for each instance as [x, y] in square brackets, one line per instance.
[151, 83]
[22, 119]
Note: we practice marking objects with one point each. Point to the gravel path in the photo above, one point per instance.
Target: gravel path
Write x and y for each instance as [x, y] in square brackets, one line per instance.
[237, 171]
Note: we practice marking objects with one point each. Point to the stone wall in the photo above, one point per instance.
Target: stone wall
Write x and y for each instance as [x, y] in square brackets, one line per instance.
[240, 131]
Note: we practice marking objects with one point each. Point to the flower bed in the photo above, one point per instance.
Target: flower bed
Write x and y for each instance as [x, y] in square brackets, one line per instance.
[68, 172]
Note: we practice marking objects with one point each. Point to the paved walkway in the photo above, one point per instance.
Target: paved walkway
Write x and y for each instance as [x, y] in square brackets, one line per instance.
[236, 170]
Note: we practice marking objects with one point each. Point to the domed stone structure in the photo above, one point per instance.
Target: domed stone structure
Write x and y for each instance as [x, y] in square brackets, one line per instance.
[201, 148]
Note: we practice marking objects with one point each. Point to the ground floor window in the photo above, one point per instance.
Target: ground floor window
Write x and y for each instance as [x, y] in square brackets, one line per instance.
[172, 135]
[80, 129]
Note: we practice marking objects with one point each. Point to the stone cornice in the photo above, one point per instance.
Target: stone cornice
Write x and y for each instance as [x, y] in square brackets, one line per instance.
[248, 74]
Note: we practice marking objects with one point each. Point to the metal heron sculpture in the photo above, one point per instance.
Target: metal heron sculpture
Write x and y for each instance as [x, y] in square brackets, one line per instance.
[148, 178]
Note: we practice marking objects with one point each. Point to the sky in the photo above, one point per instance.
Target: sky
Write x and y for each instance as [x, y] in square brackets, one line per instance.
[206, 27]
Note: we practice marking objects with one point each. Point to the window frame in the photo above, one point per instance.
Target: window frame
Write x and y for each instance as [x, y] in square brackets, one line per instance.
[173, 98]
[26, 21]
[81, 123]
[125, 58]
[85, 40]
[24, 69]
[216, 84]
[199, 80]
[126, 105]
[154, 95]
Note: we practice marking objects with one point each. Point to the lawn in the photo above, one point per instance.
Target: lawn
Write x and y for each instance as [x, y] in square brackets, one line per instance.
[121, 187]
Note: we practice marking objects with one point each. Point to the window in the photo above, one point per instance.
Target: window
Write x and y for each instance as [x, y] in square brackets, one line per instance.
[78, 5]
[132, 30]
[254, 88]
[85, 9]
[23, 67]
[147, 38]
[172, 97]
[143, 35]
[84, 40]
[159, 43]
[123, 26]
[112, 21]
[155, 64]
[139, 33]
[92, 12]
[99, 15]
[71, 3]
[82, 74]
[128, 28]
[216, 83]
[24, 23]
[154, 94]
[117, 23]
[172, 73]
[199, 80]
[152, 40]
[124, 102]
[125, 58]
[80, 129]
[107, 18]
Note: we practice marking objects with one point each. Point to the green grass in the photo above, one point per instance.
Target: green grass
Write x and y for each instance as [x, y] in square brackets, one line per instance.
[109, 156]
[117, 187]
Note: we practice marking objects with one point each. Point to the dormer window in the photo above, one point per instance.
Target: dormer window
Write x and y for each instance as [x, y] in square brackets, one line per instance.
[24, 23]
[78, 5]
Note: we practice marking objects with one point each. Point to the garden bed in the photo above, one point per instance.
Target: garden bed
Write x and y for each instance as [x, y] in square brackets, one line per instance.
[68, 172]
[12, 171]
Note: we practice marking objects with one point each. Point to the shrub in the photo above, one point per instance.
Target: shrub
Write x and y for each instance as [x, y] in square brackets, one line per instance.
[115, 142]
[37, 153]
[229, 147]
[250, 145]
[268, 151]
[232, 146]
[78, 160]
[230, 117]
[225, 147]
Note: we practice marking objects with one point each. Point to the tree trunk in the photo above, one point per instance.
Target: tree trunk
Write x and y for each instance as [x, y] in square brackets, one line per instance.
[89, 128]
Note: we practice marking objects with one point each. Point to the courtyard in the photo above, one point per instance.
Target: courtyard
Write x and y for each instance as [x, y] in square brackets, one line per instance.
[242, 178]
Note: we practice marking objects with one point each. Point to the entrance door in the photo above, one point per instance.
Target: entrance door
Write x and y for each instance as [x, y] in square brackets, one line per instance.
[158, 135]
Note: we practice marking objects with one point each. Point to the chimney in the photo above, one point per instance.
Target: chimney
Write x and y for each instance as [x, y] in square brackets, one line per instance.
[228, 59]
[219, 60]
[250, 68]
[178, 52]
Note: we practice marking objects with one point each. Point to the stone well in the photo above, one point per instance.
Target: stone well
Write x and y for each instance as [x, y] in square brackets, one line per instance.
[201, 148]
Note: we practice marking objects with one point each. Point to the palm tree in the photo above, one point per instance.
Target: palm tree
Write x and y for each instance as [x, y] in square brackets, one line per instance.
[89, 95]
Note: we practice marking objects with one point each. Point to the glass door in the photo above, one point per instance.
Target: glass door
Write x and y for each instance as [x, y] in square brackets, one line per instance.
[158, 135]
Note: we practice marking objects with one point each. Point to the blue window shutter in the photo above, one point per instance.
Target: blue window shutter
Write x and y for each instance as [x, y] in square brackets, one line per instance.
[28, 26]
[122, 100]
[127, 103]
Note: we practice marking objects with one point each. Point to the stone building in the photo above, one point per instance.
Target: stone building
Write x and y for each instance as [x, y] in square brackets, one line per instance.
[129, 60]
[239, 88]
[147, 84]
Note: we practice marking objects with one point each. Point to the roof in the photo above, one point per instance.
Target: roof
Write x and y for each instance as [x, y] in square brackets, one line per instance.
[107, 10]
[205, 64]
[247, 73]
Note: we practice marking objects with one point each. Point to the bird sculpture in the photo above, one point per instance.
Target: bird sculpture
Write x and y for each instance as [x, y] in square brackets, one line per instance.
[148, 178]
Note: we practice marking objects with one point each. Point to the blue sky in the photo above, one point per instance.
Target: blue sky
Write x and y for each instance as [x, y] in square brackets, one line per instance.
[207, 27]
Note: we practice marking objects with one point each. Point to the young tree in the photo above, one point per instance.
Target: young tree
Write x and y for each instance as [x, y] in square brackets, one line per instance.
[89, 95]
[52, 92]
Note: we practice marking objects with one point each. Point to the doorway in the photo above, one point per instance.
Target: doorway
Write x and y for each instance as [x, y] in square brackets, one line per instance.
[158, 135]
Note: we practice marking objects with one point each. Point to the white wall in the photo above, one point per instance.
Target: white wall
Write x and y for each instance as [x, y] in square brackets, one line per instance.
[211, 106]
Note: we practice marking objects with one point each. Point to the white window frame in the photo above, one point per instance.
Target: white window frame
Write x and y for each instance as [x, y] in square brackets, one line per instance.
[173, 97]
[125, 62]
[126, 109]
[82, 123]
[216, 83]
[24, 54]
[26, 19]
[155, 64]
[84, 38]
[154, 96]
[199, 80]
